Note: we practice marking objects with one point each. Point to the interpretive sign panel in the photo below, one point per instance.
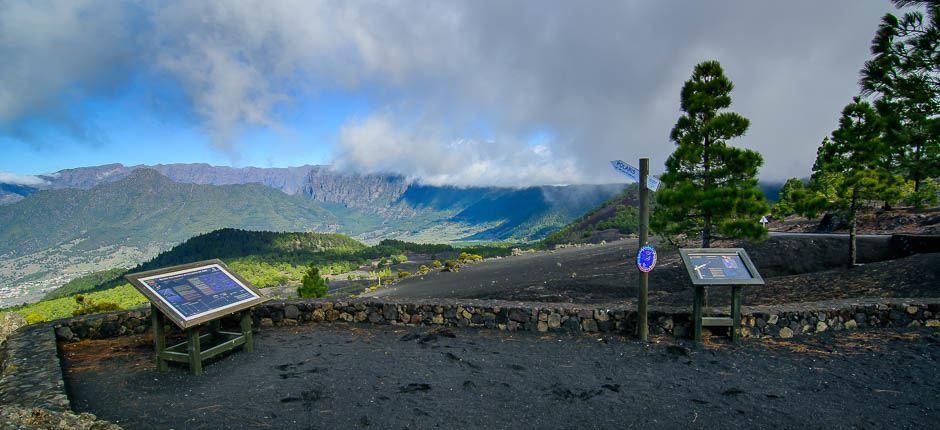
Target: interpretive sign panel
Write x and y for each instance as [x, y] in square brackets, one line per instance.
[194, 293]
[720, 266]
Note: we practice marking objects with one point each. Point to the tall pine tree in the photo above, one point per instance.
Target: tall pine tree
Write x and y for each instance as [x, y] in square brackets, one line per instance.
[710, 188]
[854, 157]
[904, 75]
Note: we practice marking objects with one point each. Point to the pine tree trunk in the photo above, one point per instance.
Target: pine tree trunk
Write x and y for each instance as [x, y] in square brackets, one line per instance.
[707, 214]
[917, 150]
[852, 227]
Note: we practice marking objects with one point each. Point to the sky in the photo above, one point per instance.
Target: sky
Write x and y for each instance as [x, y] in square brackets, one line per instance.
[477, 92]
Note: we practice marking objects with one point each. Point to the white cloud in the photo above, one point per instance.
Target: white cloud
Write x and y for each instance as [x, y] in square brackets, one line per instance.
[13, 178]
[377, 145]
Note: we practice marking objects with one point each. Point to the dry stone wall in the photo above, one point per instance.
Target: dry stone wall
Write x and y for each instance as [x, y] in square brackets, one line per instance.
[782, 321]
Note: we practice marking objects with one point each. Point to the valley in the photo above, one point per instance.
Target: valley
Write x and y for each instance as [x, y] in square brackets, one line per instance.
[87, 219]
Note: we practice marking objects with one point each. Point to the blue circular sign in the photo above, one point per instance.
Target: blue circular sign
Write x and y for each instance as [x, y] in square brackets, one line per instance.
[646, 259]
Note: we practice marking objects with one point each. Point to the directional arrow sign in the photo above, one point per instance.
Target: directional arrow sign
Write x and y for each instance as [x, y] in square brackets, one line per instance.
[633, 173]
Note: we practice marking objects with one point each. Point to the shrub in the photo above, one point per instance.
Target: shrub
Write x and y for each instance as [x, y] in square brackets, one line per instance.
[469, 258]
[313, 285]
[451, 266]
[87, 306]
[400, 258]
[34, 318]
[436, 264]
[423, 270]
[403, 274]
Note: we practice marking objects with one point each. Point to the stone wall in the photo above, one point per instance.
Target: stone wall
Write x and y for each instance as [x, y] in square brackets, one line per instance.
[781, 321]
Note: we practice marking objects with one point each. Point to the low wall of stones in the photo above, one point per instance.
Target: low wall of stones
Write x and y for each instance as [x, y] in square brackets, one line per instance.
[780, 321]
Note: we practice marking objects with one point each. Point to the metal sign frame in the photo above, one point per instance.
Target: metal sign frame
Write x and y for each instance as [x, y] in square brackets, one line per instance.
[755, 279]
[136, 279]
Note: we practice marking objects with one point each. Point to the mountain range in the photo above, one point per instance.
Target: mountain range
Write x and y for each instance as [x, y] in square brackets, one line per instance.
[86, 219]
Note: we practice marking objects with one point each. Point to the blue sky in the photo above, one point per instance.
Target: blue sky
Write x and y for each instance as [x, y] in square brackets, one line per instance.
[462, 92]
[151, 123]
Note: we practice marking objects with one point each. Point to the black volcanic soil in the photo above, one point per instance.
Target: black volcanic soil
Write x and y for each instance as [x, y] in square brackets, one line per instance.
[796, 268]
[341, 376]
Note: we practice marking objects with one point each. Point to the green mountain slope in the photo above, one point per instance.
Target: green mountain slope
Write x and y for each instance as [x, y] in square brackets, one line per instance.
[618, 213]
[147, 207]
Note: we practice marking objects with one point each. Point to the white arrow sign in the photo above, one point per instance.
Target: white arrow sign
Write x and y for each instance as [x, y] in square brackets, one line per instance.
[633, 173]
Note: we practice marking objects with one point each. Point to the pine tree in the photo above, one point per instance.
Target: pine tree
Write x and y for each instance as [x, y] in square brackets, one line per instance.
[710, 188]
[789, 198]
[312, 285]
[851, 163]
[904, 74]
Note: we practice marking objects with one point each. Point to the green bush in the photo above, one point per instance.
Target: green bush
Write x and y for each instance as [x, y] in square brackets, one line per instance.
[436, 264]
[87, 306]
[403, 274]
[465, 257]
[451, 266]
[313, 285]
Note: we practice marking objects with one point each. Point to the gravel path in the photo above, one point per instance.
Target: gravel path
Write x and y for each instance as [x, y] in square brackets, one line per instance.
[342, 376]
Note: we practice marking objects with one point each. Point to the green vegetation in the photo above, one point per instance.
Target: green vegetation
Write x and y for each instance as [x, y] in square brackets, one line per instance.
[851, 163]
[84, 283]
[313, 285]
[886, 150]
[789, 198]
[625, 220]
[903, 77]
[88, 306]
[709, 188]
[619, 213]
[124, 296]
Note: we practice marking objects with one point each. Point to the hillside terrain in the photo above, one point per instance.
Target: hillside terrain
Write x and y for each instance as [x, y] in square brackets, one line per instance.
[85, 220]
[273, 261]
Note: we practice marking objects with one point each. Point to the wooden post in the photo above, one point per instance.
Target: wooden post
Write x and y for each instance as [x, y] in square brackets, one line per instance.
[246, 330]
[195, 352]
[735, 313]
[159, 337]
[643, 330]
[697, 305]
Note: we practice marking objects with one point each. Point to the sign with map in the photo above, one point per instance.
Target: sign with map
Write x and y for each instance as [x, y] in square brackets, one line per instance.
[194, 293]
[720, 266]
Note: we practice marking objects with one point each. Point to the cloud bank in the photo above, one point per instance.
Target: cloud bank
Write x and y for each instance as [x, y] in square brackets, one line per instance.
[16, 179]
[459, 87]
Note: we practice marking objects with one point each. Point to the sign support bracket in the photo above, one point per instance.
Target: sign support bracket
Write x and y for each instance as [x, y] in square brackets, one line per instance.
[191, 351]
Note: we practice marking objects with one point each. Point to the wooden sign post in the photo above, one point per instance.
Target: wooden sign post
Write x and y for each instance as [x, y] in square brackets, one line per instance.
[193, 295]
[718, 266]
[646, 183]
[643, 328]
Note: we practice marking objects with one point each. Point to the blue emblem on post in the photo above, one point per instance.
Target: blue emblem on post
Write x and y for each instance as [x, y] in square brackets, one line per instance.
[646, 259]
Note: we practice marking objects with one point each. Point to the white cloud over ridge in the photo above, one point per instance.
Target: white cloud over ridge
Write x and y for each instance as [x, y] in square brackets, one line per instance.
[17, 179]
[602, 78]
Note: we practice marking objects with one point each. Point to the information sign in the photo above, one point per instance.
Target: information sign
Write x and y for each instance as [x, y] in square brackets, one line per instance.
[646, 259]
[633, 173]
[195, 293]
[720, 266]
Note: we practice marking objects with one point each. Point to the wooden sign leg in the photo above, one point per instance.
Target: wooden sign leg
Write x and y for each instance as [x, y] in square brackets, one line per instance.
[735, 313]
[246, 330]
[195, 351]
[697, 305]
[159, 337]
